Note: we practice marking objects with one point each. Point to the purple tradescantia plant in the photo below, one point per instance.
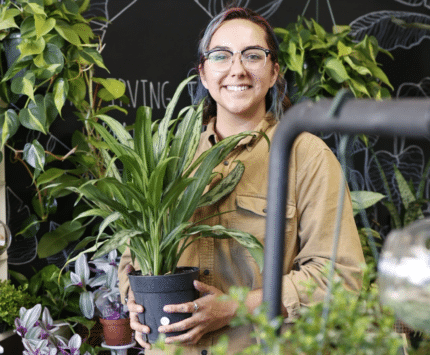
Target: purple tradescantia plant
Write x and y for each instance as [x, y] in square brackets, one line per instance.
[39, 335]
[103, 297]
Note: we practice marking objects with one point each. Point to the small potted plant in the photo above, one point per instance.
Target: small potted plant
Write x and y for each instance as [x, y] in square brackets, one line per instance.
[149, 205]
[103, 299]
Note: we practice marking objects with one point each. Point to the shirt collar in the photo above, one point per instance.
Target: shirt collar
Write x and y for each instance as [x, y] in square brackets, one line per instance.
[248, 141]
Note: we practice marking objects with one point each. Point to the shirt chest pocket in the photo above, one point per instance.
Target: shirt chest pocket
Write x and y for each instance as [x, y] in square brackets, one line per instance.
[251, 216]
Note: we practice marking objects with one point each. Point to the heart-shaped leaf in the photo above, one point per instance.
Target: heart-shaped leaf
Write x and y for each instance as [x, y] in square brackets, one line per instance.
[336, 70]
[66, 31]
[34, 116]
[34, 155]
[35, 7]
[24, 84]
[9, 124]
[93, 56]
[43, 25]
[60, 91]
[112, 89]
[7, 19]
[51, 61]
[31, 47]
[28, 28]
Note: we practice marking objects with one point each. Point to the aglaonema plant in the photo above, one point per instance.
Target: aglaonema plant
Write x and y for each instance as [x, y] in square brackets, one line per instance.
[149, 204]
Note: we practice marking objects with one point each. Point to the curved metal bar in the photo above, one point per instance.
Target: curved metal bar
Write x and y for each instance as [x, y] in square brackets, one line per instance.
[404, 117]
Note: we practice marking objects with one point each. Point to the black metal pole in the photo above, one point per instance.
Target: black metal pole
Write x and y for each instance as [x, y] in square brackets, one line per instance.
[403, 117]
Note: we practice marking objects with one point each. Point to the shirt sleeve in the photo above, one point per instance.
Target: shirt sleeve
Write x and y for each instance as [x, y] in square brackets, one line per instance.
[318, 184]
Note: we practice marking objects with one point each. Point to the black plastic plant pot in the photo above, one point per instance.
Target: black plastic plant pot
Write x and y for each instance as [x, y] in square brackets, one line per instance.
[154, 292]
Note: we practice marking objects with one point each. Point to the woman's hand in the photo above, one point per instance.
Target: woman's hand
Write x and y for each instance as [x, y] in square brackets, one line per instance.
[212, 314]
[134, 309]
[138, 327]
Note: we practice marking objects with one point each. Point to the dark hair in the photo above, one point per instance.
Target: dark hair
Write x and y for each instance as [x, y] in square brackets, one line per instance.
[276, 99]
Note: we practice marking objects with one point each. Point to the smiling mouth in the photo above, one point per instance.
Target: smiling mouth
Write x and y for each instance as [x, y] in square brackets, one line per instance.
[237, 87]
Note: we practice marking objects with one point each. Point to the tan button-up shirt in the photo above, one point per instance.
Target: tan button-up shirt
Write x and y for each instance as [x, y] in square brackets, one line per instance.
[314, 184]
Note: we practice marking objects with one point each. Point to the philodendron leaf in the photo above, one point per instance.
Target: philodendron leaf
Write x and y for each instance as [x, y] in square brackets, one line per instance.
[93, 56]
[66, 31]
[9, 124]
[35, 115]
[43, 25]
[24, 84]
[336, 70]
[51, 61]
[30, 47]
[34, 155]
[35, 7]
[7, 20]
[60, 91]
[112, 89]
[364, 199]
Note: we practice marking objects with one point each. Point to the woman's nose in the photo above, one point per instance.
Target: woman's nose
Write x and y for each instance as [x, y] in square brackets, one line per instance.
[237, 66]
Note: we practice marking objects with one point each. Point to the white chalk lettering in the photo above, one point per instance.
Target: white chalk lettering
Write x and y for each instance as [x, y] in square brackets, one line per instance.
[142, 92]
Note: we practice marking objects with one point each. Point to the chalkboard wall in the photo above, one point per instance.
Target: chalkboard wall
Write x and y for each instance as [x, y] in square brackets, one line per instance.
[151, 45]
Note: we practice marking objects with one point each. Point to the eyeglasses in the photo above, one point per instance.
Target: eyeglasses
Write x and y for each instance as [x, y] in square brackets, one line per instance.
[253, 58]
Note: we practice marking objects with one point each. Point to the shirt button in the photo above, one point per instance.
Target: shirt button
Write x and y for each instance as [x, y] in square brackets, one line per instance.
[265, 210]
[206, 272]
[225, 162]
[204, 352]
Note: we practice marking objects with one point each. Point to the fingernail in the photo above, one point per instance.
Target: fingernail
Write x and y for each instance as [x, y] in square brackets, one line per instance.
[196, 282]
[161, 329]
[166, 309]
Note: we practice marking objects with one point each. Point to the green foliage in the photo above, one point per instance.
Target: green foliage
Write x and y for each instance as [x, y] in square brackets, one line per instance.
[356, 324]
[148, 205]
[323, 63]
[48, 287]
[56, 57]
[11, 300]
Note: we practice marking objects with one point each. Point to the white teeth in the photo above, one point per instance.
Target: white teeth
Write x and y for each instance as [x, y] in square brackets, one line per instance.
[237, 88]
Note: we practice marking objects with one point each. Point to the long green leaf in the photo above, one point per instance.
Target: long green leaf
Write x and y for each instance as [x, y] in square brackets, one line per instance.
[116, 240]
[118, 129]
[143, 139]
[224, 187]
[163, 131]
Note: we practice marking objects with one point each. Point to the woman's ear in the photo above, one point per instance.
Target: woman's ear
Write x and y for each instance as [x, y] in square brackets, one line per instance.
[202, 76]
[276, 69]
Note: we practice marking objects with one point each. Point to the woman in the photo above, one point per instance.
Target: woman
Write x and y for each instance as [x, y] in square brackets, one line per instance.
[240, 72]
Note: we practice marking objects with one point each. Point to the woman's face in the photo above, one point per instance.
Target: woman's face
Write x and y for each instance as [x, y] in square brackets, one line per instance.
[239, 91]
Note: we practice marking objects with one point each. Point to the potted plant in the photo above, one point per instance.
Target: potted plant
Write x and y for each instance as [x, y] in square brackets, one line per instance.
[318, 63]
[148, 206]
[51, 54]
[103, 299]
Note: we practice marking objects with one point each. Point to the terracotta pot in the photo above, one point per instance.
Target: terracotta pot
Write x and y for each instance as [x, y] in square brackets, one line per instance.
[117, 331]
[154, 292]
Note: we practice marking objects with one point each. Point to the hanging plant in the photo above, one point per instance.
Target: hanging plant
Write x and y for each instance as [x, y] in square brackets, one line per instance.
[322, 63]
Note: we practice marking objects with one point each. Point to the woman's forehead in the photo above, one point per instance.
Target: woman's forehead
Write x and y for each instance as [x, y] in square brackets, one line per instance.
[238, 34]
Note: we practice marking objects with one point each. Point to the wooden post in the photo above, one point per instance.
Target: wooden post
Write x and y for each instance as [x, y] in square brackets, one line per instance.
[3, 257]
